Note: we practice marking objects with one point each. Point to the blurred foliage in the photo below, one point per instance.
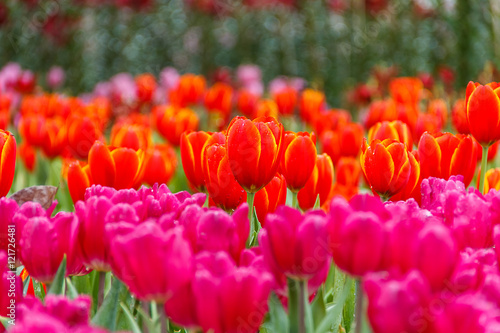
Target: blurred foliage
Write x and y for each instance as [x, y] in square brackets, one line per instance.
[332, 50]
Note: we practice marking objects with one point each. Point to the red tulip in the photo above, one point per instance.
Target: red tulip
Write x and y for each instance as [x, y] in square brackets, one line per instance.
[28, 155]
[79, 179]
[220, 182]
[266, 108]
[346, 141]
[348, 171]
[445, 155]
[56, 140]
[286, 99]
[7, 161]
[406, 90]
[492, 180]
[320, 183]
[483, 112]
[459, 117]
[384, 110]
[270, 197]
[310, 104]
[299, 159]
[246, 102]
[171, 122]
[192, 144]
[396, 130]
[332, 120]
[254, 149]
[160, 163]
[5, 103]
[219, 98]
[189, 90]
[426, 122]
[146, 87]
[82, 133]
[133, 136]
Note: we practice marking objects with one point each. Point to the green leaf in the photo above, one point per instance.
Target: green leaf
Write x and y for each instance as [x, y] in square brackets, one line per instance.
[5, 322]
[106, 315]
[72, 292]
[333, 313]
[26, 285]
[348, 312]
[146, 319]
[317, 203]
[58, 285]
[130, 319]
[318, 307]
[278, 318]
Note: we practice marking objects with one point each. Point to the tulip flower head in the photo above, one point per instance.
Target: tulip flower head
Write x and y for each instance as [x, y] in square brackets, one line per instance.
[483, 112]
[7, 161]
[299, 159]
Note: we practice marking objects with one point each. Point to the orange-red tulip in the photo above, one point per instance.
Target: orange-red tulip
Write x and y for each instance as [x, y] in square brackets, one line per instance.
[320, 183]
[133, 136]
[146, 87]
[443, 155]
[459, 117]
[32, 129]
[396, 130]
[56, 137]
[438, 108]
[266, 108]
[192, 144]
[159, 164]
[427, 122]
[299, 159]
[171, 122]
[246, 102]
[221, 185]
[82, 133]
[310, 104]
[255, 149]
[270, 197]
[386, 166]
[384, 110]
[412, 188]
[219, 98]
[7, 161]
[286, 99]
[406, 90]
[4, 111]
[348, 171]
[79, 179]
[492, 180]
[344, 142]
[483, 112]
[28, 155]
[331, 120]
[189, 90]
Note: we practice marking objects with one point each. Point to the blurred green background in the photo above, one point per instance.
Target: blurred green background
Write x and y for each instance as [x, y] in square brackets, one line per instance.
[333, 44]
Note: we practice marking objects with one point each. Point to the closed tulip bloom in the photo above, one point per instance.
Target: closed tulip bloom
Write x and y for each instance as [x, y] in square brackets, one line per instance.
[219, 98]
[189, 90]
[397, 305]
[79, 179]
[28, 155]
[168, 251]
[7, 161]
[310, 104]
[406, 90]
[330, 120]
[348, 171]
[286, 100]
[146, 86]
[91, 234]
[246, 102]
[346, 141]
[171, 122]
[254, 150]
[228, 298]
[119, 168]
[483, 112]
[299, 159]
[82, 133]
[191, 155]
[386, 166]
[320, 183]
[443, 155]
[492, 180]
[32, 129]
[5, 104]
[426, 122]
[459, 117]
[12, 287]
[131, 136]
[356, 238]
[270, 197]
[396, 130]
[266, 108]
[412, 188]
[220, 182]
[295, 243]
[383, 110]
[160, 163]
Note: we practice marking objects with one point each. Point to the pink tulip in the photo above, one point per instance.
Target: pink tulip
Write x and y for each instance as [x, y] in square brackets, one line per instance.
[9, 281]
[357, 235]
[169, 261]
[55, 77]
[397, 305]
[8, 208]
[295, 244]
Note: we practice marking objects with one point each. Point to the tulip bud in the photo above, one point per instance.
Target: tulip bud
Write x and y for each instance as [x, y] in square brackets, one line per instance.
[7, 161]
[319, 184]
[299, 159]
[483, 112]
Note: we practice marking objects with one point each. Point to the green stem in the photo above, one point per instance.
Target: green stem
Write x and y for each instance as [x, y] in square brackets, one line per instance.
[102, 282]
[253, 229]
[295, 202]
[359, 315]
[162, 324]
[484, 159]
[296, 306]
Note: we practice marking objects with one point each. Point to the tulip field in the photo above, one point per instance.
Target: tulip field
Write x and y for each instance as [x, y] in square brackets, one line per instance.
[244, 172]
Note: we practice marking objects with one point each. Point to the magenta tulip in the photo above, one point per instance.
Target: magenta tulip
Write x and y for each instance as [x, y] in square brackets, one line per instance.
[293, 243]
[8, 208]
[168, 265]
[11, 288]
